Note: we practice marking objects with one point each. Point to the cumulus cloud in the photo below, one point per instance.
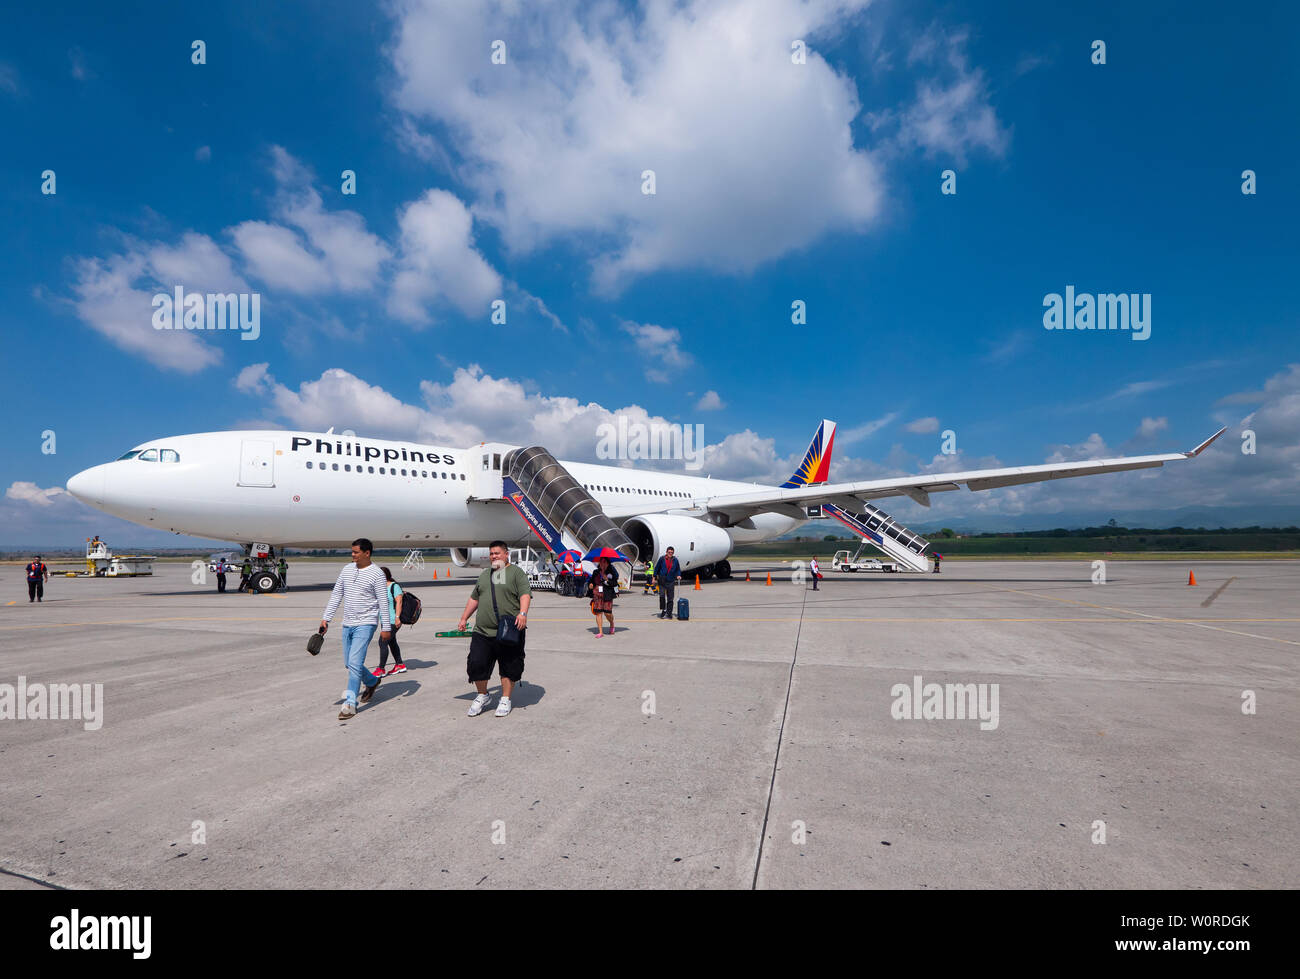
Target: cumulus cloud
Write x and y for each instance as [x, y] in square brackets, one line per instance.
[338, 399]
[31, 493]
[659, 346]
[952, 114]
[438, 261]
[1151, 427]
[710, 402]
[310, 250]
[1093, 447]
[114, 296]
[753, 155]
[922, 426]
[253, 378]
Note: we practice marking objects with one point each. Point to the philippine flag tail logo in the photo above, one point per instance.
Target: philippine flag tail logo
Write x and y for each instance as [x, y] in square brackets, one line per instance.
[816, 465]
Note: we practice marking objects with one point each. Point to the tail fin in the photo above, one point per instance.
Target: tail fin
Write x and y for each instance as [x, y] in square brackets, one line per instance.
[816, 465]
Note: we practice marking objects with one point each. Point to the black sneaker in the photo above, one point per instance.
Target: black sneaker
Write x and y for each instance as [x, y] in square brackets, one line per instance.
[367, 693]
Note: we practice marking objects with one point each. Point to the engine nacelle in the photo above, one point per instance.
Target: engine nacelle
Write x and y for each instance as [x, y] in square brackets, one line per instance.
[470, 557]
[694, 542]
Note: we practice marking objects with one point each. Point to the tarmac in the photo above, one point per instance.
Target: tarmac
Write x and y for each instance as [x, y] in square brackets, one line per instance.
[1146, 736]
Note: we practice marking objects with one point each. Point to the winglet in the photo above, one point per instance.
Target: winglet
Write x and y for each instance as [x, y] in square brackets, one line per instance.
[816, 465]
[1202, 447]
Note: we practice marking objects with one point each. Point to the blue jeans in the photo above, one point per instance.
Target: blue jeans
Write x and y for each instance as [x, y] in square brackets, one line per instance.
[356, 638]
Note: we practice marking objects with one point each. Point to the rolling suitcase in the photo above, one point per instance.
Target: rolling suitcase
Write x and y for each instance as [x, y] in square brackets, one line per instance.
[683, 609]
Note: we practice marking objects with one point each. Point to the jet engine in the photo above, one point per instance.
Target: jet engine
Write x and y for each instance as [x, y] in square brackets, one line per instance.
[696, 544]
[470, 557]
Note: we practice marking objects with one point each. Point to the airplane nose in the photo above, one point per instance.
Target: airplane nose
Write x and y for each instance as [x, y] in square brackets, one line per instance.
[88, 485]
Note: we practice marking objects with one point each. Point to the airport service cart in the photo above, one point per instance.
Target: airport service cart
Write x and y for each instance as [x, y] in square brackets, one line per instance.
[103, 563]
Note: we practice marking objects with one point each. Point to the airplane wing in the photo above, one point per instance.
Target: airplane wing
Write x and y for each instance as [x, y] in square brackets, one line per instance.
[739, 506]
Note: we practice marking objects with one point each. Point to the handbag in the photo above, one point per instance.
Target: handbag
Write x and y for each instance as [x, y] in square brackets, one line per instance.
[507, 631]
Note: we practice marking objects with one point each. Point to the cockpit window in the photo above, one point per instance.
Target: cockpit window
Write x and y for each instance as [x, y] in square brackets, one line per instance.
[170, 455]
[149, 455]
[130, 455]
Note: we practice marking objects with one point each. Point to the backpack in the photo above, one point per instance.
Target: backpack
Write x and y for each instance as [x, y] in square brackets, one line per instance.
[411, 608]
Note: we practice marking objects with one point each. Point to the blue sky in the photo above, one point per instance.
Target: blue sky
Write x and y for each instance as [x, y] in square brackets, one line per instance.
[775, 182]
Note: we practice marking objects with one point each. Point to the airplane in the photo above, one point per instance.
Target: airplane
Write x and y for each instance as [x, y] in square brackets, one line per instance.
[322, 490]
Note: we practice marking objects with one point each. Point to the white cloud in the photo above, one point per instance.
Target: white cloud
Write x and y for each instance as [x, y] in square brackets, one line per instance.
[1135, 388]
[951, 115]
[31, 493]
[754, 155]
[1006, 350]
[330, 251]
[1093, 447]
[275, 255]
[1028, 62]
[847, 435]
[1150, 428]
[922, 426]
[660, 347]
[114, 296]
[253, 378]
[710, 402]
[438, 261]
[197, 263]
[340, 400]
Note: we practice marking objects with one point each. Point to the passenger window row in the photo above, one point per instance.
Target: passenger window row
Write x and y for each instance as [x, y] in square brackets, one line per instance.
[643, 492]
[387, 470]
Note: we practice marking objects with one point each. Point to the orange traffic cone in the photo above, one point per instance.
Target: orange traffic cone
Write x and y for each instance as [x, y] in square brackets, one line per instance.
[769, 577]
[435, 574]
[746, 575]
[1191, 577]
[697, 582]
[449, 571]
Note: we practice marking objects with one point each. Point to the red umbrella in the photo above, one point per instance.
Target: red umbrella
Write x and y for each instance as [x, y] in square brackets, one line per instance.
[608, 552]
[571, 556]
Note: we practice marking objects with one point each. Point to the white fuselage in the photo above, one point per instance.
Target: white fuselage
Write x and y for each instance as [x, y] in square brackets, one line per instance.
[304, 489]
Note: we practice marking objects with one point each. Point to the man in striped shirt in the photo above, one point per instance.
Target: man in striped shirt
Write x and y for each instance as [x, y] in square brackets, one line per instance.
[363, 591]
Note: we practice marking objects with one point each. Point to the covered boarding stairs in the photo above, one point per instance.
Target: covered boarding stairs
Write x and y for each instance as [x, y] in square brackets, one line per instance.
[558, 507]
[886, 534]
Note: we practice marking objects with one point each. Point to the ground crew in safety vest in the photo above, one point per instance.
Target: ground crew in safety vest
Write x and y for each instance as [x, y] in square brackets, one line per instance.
[38, 573]
[283, 568]
[245, 572]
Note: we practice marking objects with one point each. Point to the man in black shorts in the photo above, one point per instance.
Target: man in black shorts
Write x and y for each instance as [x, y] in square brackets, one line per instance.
[500, 590]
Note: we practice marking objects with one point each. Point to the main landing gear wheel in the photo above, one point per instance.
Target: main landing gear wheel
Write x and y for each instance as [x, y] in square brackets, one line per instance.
[264, 581]
[723, 570]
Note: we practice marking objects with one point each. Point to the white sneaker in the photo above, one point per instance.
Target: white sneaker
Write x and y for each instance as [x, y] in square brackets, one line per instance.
[347, 711]
[503, 708]
[480, 702]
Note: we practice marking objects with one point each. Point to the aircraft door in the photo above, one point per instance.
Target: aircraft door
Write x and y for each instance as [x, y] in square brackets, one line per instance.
[256, 463]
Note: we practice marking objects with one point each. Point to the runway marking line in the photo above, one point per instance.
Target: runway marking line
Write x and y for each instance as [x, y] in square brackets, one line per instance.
[1201, 623]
